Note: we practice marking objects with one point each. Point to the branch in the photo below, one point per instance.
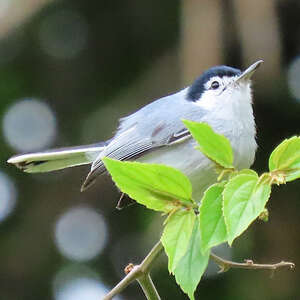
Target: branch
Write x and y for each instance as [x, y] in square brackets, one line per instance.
[225, 265]
[140, 273]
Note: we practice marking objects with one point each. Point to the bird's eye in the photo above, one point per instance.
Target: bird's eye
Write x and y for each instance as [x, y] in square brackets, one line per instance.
[215, 85]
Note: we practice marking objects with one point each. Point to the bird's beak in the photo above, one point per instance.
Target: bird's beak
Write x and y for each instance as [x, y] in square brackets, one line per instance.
[247, 74]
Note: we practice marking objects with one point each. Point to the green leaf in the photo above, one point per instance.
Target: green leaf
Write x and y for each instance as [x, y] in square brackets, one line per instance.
[192, 265]
[247, 172]
[212, 224]
[158, 187]
[215, 146]
[244, 198]
[176, 236]
[286, 157]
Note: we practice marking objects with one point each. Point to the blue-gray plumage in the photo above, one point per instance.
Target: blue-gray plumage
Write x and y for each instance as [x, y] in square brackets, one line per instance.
[220, 97]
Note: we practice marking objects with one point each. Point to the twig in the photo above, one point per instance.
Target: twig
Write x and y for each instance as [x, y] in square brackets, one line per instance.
[148, 287]
[225, 264]
[140, 273]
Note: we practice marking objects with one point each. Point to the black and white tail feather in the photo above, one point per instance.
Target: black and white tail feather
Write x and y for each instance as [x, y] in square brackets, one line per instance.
[57, 159]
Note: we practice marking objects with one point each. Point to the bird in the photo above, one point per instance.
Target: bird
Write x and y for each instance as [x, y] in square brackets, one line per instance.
[221, 97]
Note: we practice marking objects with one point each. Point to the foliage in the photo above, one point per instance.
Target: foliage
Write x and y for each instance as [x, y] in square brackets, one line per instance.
[226, 210]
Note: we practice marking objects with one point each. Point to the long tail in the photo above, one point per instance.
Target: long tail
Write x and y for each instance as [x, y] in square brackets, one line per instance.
[56, 159]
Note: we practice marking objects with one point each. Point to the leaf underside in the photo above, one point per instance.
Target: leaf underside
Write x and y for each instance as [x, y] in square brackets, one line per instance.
[158, 187]
[244, 199]
[176, 236]
[193, 264]
[215, 146]
[212, 223]
[286, 157]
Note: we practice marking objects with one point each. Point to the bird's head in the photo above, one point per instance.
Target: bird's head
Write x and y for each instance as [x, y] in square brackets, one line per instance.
[222, 86]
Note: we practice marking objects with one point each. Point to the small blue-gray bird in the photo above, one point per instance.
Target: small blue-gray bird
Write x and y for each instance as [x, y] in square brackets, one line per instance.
[221, 97]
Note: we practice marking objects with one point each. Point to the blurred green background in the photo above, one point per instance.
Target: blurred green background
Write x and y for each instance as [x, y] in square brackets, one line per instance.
[68, 71]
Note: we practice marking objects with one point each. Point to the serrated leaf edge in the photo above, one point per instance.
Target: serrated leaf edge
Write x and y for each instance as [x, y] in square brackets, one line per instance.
[223, 164]
[225, 220]
[209, 246]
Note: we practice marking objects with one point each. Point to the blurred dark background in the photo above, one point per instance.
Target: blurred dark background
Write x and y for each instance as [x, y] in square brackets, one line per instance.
[68, 71]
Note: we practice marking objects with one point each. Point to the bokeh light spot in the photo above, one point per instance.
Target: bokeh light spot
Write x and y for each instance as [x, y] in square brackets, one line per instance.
[29, 125]
[80, 233]
[81, 288]
[78, 282]
[8, 196]
[294, 78]
[63, 34]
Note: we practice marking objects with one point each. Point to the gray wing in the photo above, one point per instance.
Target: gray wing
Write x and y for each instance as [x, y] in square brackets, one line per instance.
[159, 124]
